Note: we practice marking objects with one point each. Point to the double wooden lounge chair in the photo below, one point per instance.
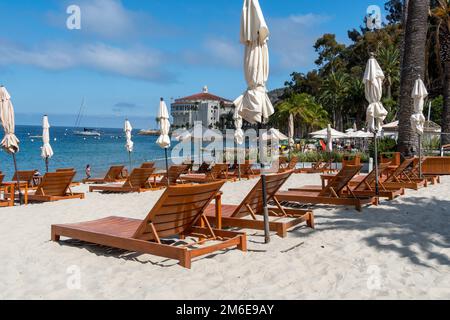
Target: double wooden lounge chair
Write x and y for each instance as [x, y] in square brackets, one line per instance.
[218, 172]
[138, 181]
[414, 173]
[400, 178]
[288, 166]
[246, 214]
[24, 176]
[174, 217]
[333, 193]
[55, 186]
[318, 167]
[174, 176]
[114, 174]
[246, 171]
[364, 185]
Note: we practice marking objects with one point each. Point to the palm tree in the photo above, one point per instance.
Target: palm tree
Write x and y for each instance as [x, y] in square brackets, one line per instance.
[389, 59]
[440, 40]
[413, 66]
[307, 113]
[333, 95]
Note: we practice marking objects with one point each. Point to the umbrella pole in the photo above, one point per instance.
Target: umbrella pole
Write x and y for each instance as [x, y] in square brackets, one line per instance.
[420, 157]
[377, 187]
[18, 179]
[264, 193]
[167, 167]
[46, 164]
[129, 160]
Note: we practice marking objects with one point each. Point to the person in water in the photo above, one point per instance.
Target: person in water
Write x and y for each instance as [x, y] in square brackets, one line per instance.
[88, 171]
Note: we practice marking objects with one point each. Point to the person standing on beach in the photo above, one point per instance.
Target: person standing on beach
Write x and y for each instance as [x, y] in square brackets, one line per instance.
[88, 171]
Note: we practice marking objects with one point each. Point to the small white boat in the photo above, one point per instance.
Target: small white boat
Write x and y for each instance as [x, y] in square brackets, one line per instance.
[87, 133]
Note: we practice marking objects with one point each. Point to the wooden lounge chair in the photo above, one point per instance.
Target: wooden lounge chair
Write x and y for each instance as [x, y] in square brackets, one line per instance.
[175, 215]
[148, 165]
[65, 169]
[114, 174]
[24, 176]
[55, 186]
[365, 185]
[138, 181]
[414, 173]
[291, 165]
[399, 177]
[333, 193]
[245, 214]
[318, 167]
[6, 191]
[174, 175]
[218, 172]
[246, 171]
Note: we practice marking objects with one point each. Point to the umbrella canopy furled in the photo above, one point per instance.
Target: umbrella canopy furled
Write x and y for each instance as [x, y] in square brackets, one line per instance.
[329, 139]
[254, 105]
[373, 81]
[163, 115]
[419, 95]
[128, 129]
[47, 151]
[10, 143]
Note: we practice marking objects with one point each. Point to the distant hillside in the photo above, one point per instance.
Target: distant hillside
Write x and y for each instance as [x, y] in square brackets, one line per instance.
[275, 95]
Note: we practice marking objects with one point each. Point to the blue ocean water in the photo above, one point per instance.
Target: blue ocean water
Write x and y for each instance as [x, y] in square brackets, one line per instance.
[76, 152]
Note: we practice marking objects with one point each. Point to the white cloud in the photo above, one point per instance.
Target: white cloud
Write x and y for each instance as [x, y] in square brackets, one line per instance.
[292, 39]
[136, 62]
[224, 52]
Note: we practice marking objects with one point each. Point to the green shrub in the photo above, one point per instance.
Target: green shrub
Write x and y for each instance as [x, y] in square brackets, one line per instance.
[384, 145]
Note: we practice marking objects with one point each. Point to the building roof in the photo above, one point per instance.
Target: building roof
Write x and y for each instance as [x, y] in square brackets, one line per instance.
[203, 96]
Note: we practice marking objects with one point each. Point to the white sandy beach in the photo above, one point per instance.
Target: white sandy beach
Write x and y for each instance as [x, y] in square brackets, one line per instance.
[399, 250]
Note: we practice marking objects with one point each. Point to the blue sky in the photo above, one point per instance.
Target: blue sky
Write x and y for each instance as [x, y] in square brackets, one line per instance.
[129, 53]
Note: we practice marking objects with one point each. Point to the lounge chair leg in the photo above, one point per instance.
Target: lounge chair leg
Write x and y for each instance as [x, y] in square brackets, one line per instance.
[310, 221]
[358, 206]
[55, 237]
[242, 243]
[185, 260]
[282, 232]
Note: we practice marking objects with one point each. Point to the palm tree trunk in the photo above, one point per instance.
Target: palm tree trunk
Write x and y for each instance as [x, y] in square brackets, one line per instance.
[389, 87]
[413, 66]
[446, 112]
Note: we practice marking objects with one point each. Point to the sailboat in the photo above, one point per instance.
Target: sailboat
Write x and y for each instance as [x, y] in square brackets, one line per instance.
[85, 132]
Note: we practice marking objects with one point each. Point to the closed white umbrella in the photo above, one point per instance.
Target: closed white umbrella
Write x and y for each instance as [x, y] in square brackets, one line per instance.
[376, 113]
[9, 143]
[329, 139]
[47, 151]
[129, 145]
[373, 81]
[254, 105]
[164, 139]
[419, 95]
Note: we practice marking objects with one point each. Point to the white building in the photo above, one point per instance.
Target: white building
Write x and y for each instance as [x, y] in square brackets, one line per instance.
[210, 109]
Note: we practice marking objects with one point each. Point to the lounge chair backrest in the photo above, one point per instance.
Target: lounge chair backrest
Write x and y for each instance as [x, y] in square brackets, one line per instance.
[148, 165]
[24, 176]
[340, 181]
[114, 173]
[178, 210]
[402, 167]
[254, 199]
[139, 177]
[55, 183]
[245, 168]
[174, 174]
[370, 178]
[65, 169]
[218, 171]
[293, 163]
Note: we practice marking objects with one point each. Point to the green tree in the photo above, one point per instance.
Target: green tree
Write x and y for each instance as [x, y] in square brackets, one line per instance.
[333, 96]
[389, 59]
